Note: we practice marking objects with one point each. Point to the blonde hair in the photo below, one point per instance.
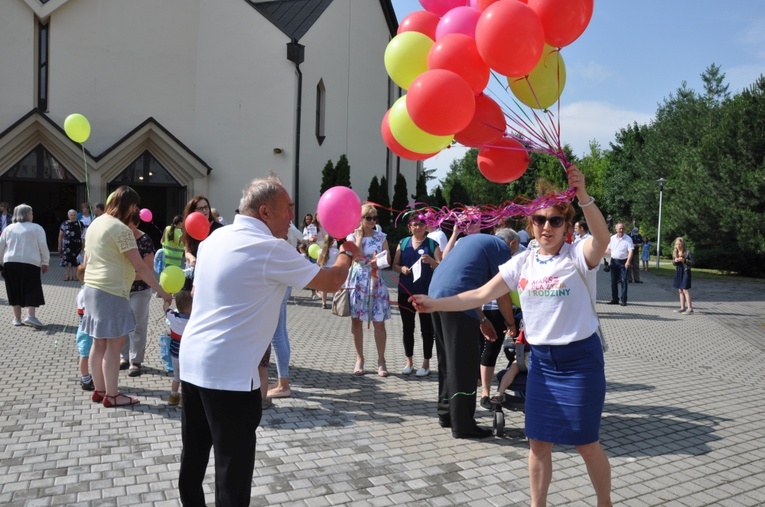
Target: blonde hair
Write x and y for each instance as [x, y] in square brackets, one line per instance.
[324, 254]
[682, 248]
[367, 208]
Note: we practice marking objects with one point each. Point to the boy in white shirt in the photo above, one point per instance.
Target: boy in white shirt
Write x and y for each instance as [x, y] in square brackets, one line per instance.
[83, 340]
[177, 319]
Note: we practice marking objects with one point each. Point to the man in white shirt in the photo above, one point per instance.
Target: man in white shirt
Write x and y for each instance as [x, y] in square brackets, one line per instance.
[580, 232]
[620, 248]
[241, 276]
[437, 235]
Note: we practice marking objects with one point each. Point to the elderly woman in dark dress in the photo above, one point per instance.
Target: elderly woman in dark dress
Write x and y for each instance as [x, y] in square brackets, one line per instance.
[70, 238]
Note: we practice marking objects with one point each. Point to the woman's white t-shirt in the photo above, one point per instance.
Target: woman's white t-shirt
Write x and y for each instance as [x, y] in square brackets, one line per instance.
[556, 303]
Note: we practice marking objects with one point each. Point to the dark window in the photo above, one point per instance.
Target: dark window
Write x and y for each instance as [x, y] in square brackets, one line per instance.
[39, 164]
[321, 94]
[42, 69]
[145, 170]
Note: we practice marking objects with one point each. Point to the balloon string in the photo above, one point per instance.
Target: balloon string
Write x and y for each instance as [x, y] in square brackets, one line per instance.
[87, 183]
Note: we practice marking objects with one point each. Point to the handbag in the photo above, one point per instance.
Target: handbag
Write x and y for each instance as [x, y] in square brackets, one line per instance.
[341, 303]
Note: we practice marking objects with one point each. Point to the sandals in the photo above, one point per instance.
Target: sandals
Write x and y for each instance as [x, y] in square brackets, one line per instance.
[98, 396]
[358, 370]
[382, 370]
[119, 400]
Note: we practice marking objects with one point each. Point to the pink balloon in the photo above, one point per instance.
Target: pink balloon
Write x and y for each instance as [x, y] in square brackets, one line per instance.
[145, 215]
[458, 20]
[441, 7]
[339, 210]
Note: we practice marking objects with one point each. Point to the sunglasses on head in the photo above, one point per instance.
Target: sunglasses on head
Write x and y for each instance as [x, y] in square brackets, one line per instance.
[371, 218]
[555, 221]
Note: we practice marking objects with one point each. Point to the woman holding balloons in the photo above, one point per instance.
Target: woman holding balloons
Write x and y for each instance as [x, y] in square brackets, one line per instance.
[112, 262]
[190, 239]
[140, 296]
[369, 294]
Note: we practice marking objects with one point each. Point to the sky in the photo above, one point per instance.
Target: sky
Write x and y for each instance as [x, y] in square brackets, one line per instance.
[634, 54]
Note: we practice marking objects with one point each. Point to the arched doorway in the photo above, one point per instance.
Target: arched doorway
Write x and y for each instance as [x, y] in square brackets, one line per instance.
[42, 182]
[160, 192]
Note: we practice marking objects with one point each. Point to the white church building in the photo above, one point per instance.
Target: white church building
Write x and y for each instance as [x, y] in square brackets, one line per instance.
[189, 97]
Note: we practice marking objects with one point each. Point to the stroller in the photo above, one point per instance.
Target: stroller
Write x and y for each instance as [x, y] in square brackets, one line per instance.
[516, 349]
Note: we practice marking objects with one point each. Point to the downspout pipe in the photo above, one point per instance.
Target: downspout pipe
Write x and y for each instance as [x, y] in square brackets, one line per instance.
[296, 54]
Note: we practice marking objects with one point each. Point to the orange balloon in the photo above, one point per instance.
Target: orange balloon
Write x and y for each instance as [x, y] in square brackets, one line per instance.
[440, 102]
[563, 20]
[510, 37]
[420, 21]
[505, 161]
[488, 124]
[458, 53]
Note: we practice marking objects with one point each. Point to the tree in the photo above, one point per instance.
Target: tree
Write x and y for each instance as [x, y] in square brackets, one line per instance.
[714, 88]
[400, 203]
[343, 172]
[421, 189]
[373, 194]
[327, 177]
[383, 213]
[437, 199]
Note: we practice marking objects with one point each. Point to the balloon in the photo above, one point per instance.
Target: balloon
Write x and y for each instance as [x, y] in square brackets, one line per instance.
[543, 86]
[420, 21]
[406, 57]
[109, 199]
[409, 135]
[197, 225]
[515, 298]
[486, 127]
[172, 279]
[510, 38]
[458, 53]
[77, 127]
[458, 20]
[145, 215]
[440, 102]
[563, 20]
[504, 161]
[441, 7]
[314, 250]
[340, 211]
[394, 145]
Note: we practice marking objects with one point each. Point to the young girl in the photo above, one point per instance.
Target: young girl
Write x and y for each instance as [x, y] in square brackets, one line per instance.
[646, 255]
[172, 246]
[326, 259]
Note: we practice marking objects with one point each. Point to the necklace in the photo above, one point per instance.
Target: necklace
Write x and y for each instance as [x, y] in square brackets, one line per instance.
[540, 261]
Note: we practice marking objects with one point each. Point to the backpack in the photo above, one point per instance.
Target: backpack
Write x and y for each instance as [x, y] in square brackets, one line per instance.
[405, 243]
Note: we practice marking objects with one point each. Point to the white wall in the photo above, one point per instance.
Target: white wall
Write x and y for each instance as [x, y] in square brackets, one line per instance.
[17, 67]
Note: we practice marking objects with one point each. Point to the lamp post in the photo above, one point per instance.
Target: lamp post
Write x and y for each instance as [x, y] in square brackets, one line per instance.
[661, 182]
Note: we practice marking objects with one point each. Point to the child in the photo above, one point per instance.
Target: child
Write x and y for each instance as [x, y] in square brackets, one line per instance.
[177, 319]
[511, 373]
[84, 341]
[646, 255]
[327, 258]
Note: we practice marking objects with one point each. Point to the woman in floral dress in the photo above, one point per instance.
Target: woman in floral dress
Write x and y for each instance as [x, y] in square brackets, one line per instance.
[70, 244]
[368, 292]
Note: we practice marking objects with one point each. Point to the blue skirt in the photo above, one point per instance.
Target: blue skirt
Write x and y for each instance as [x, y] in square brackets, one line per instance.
[565, 392]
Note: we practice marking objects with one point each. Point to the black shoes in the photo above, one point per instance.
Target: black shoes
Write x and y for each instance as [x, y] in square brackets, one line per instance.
[444, 423]
[613, 302]
[623, 303]
[476, 432]
[486, 403]
[87, 386]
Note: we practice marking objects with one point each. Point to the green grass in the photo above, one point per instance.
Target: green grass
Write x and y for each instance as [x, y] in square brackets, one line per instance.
[667, 270]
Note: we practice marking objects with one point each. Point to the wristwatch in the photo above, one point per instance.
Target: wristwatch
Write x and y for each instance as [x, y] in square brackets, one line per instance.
[348, 253]
[484, 319]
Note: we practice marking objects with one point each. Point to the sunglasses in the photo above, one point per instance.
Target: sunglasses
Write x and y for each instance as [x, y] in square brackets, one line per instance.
[371, 218]
[541, 220]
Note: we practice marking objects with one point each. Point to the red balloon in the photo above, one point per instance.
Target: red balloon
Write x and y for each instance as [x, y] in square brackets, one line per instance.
[486, 127]
[420, 21]
[505, 161]
[440, 102]
[563, 20]
[510, 38]
[394, 145]
[481, 5]
[441, 7]
[197, 225]
[458, 53]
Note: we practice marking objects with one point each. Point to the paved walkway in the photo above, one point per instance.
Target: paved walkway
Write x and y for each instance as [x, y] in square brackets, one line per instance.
[683, 420]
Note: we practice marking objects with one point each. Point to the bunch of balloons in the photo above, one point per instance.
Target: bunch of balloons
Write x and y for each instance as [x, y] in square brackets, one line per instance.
[444, 55]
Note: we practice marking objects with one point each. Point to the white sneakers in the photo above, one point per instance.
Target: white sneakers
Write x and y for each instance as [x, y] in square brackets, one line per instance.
[33, 322]
[422, 372]
[17, 322]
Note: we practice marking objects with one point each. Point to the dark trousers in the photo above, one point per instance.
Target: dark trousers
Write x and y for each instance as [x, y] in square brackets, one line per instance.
[634, 272]
[458, 338]
[618, 273]
[407, 312]
[490, 350]
[225, 421]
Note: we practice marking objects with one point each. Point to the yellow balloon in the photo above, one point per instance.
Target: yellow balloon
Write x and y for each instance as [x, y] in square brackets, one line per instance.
[406, 57]
[172, 279]
[544, 84]
[516, 298]
[314, 250]
[77, 127]
[109, 199]
[409, 135]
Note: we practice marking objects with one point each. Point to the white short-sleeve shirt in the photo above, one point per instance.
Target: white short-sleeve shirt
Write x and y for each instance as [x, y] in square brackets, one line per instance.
[620, 247]
[240, 280]
[556, 302]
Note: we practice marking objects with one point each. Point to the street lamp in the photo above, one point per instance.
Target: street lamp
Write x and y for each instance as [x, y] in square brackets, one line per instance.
[661, 182]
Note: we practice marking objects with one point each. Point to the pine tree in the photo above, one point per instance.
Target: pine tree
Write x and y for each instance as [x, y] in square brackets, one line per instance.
[327, 177]
[373, 194]
[343, 172]
[383, 213]
[400, 203]
[421, 188]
